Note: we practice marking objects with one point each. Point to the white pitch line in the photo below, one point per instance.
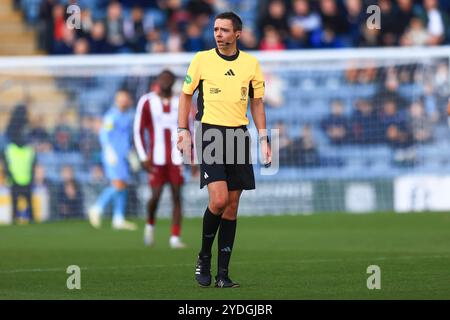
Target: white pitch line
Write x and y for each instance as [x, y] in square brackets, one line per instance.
[238, 262]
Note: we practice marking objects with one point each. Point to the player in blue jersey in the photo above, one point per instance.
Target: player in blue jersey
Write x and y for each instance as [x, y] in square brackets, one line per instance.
[115, 139]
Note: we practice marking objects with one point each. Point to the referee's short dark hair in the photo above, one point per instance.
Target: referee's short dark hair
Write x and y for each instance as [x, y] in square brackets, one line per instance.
[235, 19]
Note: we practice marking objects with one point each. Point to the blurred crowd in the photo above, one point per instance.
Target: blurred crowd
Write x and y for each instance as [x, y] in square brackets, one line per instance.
[391, 116]
[156, 26]
[64, 189]
[367, 124]
[64, 137]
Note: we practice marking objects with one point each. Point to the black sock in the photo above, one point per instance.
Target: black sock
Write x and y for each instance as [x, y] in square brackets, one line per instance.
[227, 233]
[211, 223]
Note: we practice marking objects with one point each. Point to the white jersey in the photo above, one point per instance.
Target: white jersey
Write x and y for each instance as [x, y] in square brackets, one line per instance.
[160, 119]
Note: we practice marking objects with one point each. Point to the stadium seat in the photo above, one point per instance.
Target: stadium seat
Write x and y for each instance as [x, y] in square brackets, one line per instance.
[31, 10]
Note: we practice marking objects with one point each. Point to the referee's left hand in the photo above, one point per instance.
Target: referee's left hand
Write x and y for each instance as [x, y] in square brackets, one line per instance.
[266, 152]
[184, 145]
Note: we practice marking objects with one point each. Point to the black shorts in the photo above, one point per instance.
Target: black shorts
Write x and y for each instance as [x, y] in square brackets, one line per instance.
[219, 164]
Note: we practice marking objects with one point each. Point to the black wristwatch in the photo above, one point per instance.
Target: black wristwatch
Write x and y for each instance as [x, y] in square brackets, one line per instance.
[261, 138]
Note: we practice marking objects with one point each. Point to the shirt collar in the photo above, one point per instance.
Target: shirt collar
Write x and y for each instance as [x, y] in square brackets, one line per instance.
[228, 58]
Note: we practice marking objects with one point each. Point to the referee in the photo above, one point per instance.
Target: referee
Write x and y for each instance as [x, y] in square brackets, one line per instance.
[225, 78]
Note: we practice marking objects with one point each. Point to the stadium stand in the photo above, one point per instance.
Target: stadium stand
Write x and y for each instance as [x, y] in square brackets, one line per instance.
[173, 26]
[15, 36]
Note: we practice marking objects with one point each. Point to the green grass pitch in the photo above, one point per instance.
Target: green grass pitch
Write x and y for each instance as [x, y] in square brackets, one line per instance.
[320, 256]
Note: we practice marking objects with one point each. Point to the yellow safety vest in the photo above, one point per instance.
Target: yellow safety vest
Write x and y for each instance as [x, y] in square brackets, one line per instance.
[20, 162]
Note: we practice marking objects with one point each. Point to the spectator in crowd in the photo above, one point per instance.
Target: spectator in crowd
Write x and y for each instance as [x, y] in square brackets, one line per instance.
[200, 11]
[356, 20]
[285, 143]
[97, 180]
[194, 41]
[304, 150]
[177, 14]
[431, 102]
[69, 196]
[97, 176]
[404, 15]
[369, 37]
[65, 45]
[94, 184]
[415, 34]
[154, 42]
[326, 38]
[271, 40]
[335, 125]
[40, 178]
[41, 181]
[390, 90]
[248, 40]
[420, 124]
[135, 30]
[332, 17]
[38, 135]
[368, 74]
[64, 135]
[88, 140]
[85, 24]
[394, 125]
[438, 83]
[435, 20]
[97, 39]
[365, 125]
[174, 41]
[388, 30]
[399, 138]
[355, 74]
[58, 23]
[301, 24]
[276, 17]
[81, 47]
[114, 24]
